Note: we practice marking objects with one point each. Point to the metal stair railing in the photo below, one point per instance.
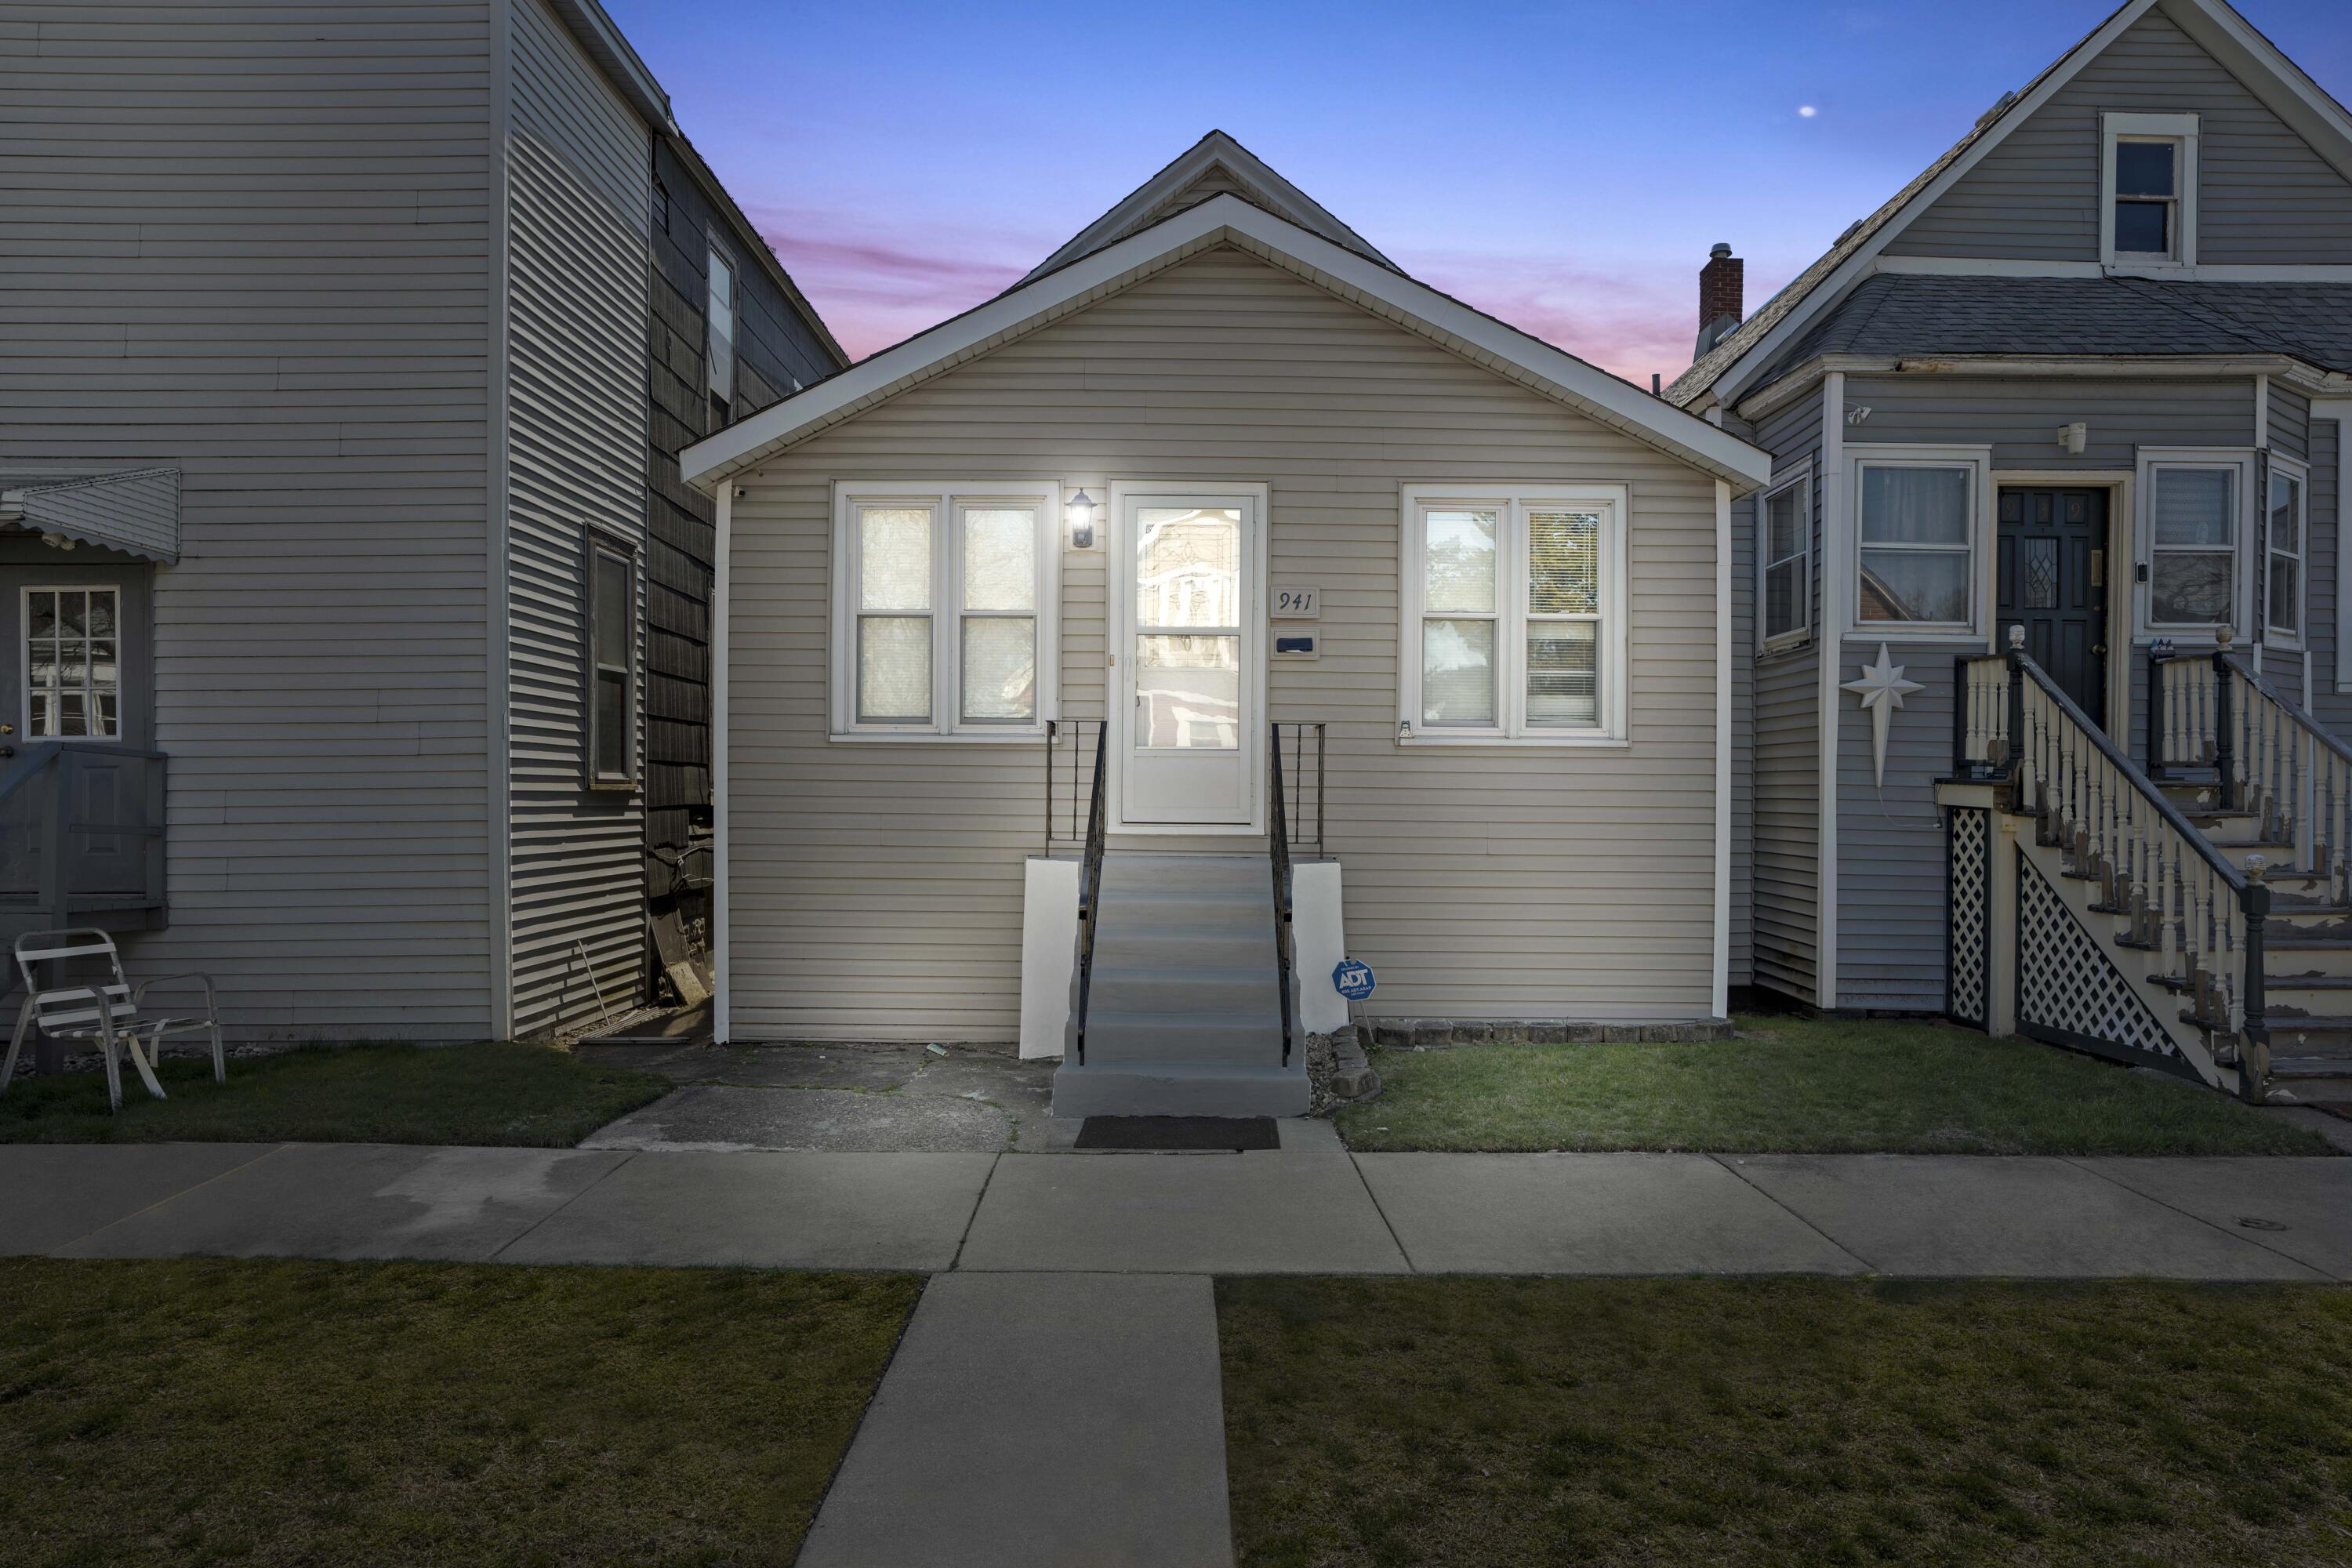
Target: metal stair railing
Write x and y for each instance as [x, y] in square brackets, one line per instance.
[1090, 892]
[1286, 958]
[2181, 896]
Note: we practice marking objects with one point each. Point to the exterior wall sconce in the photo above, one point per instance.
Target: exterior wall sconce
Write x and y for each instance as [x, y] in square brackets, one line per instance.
[1404, 729]
[2071, 437]
[1079, 513]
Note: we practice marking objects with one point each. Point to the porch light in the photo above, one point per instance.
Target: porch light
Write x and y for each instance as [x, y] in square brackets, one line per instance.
[1079, 512]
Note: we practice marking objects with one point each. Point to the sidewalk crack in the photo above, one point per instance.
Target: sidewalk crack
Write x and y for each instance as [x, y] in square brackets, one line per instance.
[973, 1218]
[1778, 1203]
[2250, 1239]
[626, 1155]
[170, 1197]
[1395, 1239]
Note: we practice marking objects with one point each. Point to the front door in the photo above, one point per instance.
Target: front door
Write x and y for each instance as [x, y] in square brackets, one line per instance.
[1189, 755]
[2053, 583]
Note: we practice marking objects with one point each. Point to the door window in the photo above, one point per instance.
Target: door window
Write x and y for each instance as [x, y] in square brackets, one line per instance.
[1188, 628]
[73, 669]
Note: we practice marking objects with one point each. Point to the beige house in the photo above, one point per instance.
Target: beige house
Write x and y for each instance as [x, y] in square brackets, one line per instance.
[1022, 620]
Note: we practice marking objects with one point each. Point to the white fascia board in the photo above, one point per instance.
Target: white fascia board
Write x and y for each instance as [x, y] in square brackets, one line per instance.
[1221, 219]
[1864, 261]
[2267, 73]
[2200, 272]
[2288, 371]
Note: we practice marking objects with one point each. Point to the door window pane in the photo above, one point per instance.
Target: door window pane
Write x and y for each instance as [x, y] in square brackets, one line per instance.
[894, 553]
[1914, 585]
[1000, 558]
[72, 673]
[1457, 672]
[1188, 692]
[894, 669]
[1563, 562]
[1564, 675]
[1460, 562]
[1188, 567]
[1000, 668]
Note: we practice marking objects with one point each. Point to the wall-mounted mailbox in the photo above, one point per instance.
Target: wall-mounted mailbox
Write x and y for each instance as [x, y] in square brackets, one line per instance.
[1294, 647]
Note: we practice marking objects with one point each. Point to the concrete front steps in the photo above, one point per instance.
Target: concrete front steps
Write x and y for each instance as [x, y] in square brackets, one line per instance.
[1182, 1016]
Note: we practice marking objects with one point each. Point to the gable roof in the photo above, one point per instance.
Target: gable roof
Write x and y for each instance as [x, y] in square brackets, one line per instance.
[2278, 82]
[1226, 219]
[1214, 165]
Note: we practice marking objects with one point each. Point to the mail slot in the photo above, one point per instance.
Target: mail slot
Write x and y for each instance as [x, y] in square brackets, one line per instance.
[1305, 646]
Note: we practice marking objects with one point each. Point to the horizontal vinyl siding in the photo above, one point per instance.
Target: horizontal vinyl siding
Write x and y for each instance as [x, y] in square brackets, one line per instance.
[877, 887]
[250, 242]
[1891, 853]
[2264, 196]
[579, 172]
[2019, 417]
[1787, 893]
[2331, 706]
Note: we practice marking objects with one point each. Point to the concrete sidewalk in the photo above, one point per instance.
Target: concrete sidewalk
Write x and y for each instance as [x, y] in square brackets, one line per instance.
[1309, 1208]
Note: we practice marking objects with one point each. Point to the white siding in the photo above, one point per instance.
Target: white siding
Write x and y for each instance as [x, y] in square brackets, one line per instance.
[877, 887]
[579, 167]
[250, 242]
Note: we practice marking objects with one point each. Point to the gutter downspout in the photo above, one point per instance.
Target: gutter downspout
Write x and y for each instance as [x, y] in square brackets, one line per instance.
[722, 875]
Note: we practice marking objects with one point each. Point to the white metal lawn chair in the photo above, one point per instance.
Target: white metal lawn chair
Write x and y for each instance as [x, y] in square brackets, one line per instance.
[108, 1010]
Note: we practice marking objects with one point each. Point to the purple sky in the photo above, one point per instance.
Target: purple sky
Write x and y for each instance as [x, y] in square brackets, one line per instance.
[1563, 166]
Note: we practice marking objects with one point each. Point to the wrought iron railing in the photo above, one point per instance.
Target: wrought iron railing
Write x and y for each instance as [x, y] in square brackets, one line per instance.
[81, 828]
[1072, 745]
[1297, 818]
[2181, 897]
[1278, 836]
[1089, 898]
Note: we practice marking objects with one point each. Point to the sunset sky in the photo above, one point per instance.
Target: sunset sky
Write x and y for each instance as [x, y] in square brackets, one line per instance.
[1562, 166]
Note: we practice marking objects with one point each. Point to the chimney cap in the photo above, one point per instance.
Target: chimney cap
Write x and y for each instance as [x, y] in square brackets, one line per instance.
[1722, 247]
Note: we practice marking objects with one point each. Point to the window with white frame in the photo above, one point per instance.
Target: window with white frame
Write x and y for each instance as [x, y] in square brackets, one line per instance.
[1786, 563]
[944, 602]
[73, 669]
[1916, 531]
[611, 661]
[2148, 204]
[719, 330]
[2283, 545]
[1514, 614]
[2192, 543]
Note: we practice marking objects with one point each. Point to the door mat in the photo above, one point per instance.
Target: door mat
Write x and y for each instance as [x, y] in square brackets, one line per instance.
[1180, 1132]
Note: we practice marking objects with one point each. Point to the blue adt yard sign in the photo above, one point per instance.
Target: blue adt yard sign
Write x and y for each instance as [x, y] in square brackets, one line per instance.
[1351, 979]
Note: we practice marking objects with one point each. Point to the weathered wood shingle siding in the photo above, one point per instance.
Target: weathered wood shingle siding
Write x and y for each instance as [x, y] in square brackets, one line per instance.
[579, 165]
[252, 242]
[877, 887]
[2264, 196]
[1787, 893]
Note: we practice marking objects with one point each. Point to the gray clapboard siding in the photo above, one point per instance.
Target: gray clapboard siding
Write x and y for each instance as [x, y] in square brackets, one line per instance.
[579, 167]
[2264, 196]
[251, 243]
[877, 886]
[2330, 706]
[1890, 848]
[1786, 811]
[2019, 417]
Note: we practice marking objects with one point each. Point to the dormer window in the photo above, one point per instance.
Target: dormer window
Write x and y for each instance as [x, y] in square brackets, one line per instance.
[2149, 174]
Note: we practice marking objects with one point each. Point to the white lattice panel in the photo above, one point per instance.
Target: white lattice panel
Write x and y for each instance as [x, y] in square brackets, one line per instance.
[2065, 983]
[1970, 914]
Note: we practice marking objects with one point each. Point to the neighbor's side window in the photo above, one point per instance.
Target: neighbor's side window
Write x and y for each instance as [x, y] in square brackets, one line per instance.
[612, 665]
[719, 347]
[2193, 577]
[946, 603]
[1516, 625]
[2283, 534]
[1787, 560]
[73, 669]
[1917, 546]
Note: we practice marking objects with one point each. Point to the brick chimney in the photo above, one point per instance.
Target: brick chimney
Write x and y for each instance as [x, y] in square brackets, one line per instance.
[1722, 297]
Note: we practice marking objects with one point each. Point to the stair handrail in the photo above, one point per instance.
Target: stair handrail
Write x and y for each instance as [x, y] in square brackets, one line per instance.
[1279, 826]
[1090, 895]
[2285, 768]
[2098, 818]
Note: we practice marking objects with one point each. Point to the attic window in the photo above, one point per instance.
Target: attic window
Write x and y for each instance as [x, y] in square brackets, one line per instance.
[2148, 171]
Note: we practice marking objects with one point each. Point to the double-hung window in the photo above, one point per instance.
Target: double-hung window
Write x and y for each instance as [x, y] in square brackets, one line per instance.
[718, 332]
[73, 665]
[944, 611]
[1785, 559]
[1514, 613]
[2192, 530]
[612, 663]
[1916, 531]
[2282, 544]
[2147, 214]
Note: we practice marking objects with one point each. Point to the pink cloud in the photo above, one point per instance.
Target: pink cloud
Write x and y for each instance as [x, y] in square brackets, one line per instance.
[875, 287]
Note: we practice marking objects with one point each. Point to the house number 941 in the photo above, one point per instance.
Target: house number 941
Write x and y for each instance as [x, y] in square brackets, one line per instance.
[1294, 601]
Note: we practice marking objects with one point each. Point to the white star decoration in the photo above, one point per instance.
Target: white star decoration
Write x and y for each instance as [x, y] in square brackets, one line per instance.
[1881, 690]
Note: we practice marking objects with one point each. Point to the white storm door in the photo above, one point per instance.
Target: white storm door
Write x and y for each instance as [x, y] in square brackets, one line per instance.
[1193, 662]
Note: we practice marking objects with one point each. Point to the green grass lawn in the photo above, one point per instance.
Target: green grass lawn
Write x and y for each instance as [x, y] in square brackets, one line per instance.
[207, 1412]
[1453, 1421]
[488, 1093]
[1801, 1086]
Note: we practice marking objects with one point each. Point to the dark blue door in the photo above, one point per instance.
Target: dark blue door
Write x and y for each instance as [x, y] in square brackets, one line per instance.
[2053, 583]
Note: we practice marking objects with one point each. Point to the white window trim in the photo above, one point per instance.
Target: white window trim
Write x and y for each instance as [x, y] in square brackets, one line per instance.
[946, 724]
[24, 657]
[2180, 128]
[2151, 459]
[1860, 455]
[1616, 501]
[601, 543]
[2281, 637]
[1802, 480]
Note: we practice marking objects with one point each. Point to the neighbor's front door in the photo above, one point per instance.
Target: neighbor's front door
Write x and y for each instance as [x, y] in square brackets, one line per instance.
[2053, 583]
[1191, 681]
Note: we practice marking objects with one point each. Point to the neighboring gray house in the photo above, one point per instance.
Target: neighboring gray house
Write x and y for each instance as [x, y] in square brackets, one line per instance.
[333, 428]
[2086, 377]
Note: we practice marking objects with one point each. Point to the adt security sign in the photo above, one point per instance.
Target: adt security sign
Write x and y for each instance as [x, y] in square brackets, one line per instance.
[1351, 979]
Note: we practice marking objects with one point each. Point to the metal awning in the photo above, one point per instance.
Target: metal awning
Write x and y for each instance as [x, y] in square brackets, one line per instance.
[136, 511]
